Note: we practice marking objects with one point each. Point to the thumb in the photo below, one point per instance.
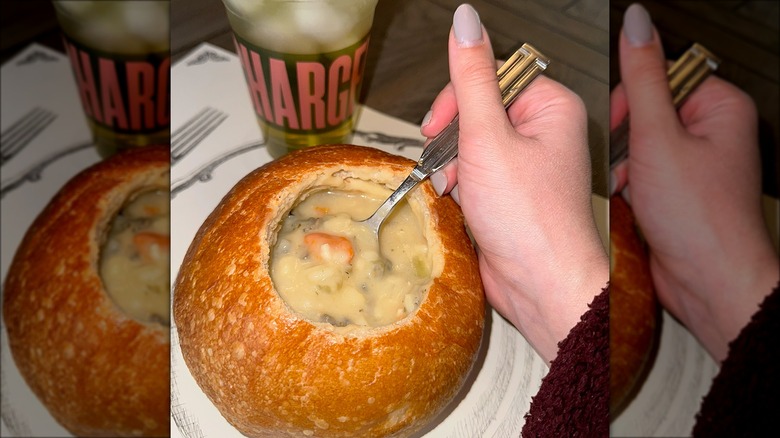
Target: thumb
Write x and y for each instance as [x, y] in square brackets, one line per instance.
[643, 72]
[473, 74]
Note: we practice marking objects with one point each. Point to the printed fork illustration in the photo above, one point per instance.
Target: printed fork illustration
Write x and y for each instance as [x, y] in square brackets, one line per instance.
[23, 131]
[194, 131]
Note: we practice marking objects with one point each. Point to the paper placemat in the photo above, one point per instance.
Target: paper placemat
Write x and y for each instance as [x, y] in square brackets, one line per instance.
[508, 372]
[36, 77]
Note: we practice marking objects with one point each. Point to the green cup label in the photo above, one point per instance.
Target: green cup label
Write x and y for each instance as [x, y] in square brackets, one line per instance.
[307, 94]
[124, 93]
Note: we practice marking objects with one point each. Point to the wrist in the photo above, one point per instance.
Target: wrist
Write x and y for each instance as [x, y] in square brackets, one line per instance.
[547, 303]
[713, 306]
[572, 293]
[740, 304]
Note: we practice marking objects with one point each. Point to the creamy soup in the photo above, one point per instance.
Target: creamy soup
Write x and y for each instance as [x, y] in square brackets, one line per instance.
[328, 267]
[135, 260]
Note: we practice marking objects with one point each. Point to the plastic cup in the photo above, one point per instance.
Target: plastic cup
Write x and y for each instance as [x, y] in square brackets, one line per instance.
[120, 55]
[303, 61]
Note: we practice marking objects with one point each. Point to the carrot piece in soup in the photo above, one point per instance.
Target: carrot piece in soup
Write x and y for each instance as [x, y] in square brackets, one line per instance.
[329, 248]
[146, 241]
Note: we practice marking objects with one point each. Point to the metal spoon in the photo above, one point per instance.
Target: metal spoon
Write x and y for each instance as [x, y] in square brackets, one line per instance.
[513, 76]
[687, 73]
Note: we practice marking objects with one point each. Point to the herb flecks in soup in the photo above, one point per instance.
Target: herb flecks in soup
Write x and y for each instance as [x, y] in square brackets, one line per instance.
[135, 259]
[327, 266]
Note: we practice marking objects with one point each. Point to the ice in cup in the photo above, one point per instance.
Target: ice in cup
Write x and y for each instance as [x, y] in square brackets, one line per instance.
[303, 61]
[120, 55]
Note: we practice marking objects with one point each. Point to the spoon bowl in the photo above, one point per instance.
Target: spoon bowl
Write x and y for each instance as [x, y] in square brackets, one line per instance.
[513, 76]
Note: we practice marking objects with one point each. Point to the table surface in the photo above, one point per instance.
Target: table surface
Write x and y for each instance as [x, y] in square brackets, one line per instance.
[745, 35]
[407, 62]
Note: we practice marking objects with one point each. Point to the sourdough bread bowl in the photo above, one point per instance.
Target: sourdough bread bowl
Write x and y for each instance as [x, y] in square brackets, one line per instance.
[633, 308]
[271, 368]
[99, 370]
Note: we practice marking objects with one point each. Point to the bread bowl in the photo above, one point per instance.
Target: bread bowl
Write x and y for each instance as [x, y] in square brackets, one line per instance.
[96, 358]
[273, 368]
[633, 307]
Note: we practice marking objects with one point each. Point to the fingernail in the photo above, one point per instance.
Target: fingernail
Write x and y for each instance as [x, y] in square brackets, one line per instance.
[455, 194]
[426, 119]
[439, 181]
[467, 27]
[637, 25]
[612, 183]
[626, 195]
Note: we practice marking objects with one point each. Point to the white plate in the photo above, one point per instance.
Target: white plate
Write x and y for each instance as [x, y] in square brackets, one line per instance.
[42, 77]
[508, 372]
[680, 376]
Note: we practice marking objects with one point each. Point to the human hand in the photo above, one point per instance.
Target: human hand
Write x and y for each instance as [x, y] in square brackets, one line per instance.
[695, 190]
[523, 183]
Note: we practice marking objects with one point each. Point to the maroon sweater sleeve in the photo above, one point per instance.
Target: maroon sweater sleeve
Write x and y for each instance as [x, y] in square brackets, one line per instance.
[743, 399]
[573, 400]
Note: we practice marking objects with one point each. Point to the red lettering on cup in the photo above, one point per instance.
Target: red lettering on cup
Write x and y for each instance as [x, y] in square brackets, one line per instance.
[311, 94]
[339, 73]
[255, 79]
[281, 94]
[85, 81]
[141, 89]
[111, 94]
[126, 95]
[163, 91]
[303, 92]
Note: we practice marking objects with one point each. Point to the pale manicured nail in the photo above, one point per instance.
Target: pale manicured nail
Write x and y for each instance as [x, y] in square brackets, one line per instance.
[467, 27]
[612, 183]
[626, 195]
[427, 119]
[455, 194]
[637, 25]
[439, 181]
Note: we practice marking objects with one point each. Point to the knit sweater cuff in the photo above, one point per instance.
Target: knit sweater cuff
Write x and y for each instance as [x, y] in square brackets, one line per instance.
[573, 399]
[743, 398]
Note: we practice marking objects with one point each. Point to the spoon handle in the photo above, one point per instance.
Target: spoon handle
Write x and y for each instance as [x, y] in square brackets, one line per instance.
[411, 181]
[442, 149]
[513, 76]
[687, 73]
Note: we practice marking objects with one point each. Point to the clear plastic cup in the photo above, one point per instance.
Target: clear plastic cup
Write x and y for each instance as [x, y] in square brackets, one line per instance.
[304, 62]
[120, 55]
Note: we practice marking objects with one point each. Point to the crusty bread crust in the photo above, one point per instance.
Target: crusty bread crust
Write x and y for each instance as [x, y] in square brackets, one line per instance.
[633, 311]
[272, 373]
[97, 371]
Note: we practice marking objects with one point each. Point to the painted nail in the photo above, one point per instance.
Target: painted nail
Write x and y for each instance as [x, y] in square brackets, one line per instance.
[426, 119]
[626, 195]
[467, 27]
[439, 181]
[455, 194]
[612, 183]
[637, 25]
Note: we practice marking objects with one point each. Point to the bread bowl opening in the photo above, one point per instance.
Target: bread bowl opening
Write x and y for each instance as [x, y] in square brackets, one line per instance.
[328, 267]
[135, 256]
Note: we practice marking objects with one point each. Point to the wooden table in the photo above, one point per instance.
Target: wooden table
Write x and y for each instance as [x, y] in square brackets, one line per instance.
[745, 35]
[407, 63]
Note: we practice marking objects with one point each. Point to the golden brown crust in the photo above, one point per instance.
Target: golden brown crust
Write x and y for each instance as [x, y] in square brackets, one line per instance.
[98, 372]
[633, 306]
[272, 373]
